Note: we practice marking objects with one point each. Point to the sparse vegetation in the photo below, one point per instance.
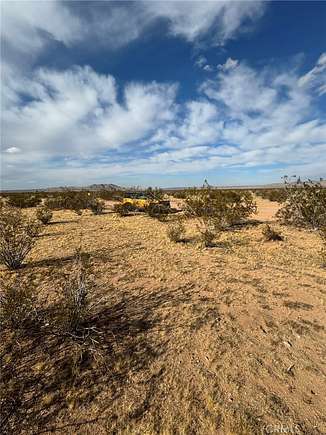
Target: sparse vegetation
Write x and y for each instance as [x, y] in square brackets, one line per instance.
[17, 304]
[322, 233]
[305, 204]
[124, 209]
[158, 211]
[224, 207]
[270, 233]
[275, 195]
[97, 206]
[17, 236]
[137, 316]
[44, 214]
[75, 302]
[23, 200]
[176, 231]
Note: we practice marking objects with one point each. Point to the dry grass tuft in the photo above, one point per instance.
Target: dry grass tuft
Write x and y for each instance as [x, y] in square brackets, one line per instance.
[271, 234]
[17, 236]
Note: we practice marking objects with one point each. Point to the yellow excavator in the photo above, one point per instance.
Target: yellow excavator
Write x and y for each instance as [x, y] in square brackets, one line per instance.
[141, 200]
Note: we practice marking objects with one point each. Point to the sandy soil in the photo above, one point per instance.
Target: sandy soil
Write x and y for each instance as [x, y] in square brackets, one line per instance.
[229, 339]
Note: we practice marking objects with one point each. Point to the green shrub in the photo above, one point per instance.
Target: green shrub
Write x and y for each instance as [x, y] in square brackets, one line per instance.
[305, 204]
[44, 214]
[154, 194]
[17, 236]
[223, 207]
[158, 211]
[76, 201]
[270, 234]
[24, 200]
[17, 304]
[276, 195]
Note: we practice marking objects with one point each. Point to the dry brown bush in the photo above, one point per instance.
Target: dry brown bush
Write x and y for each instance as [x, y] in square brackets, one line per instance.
[96, 206]
[44, 214]
[17, 236]
[176, 231]
[270, 234]
[75, 302]
[124, 209]
[17, 304]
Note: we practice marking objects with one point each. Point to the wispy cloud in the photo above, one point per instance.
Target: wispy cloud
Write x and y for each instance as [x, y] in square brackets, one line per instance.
[63, 123]
[29, 27]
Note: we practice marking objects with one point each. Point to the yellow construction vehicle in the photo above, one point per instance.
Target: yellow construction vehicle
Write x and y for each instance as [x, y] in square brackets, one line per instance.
[141, 200]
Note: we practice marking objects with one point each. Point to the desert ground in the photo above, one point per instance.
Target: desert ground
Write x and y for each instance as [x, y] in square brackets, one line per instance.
[221, 340]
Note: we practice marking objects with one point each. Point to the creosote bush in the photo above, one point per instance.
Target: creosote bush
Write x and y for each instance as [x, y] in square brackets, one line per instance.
[270, 234]
[158, 211]
[305, 204]
[17, 304]
[209, 229]
[226, 207]
[75, 303]
[176, 231]
[97, 206]
[17, 236]
[76, 201]
[124, 209]
[276, 195]
[44, 214]
[24, 200]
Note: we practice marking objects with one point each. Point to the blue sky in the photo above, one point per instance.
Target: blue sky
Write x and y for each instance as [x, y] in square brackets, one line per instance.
[162, 93]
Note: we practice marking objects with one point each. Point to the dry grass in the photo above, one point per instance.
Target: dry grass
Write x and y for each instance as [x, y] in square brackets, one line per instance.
[193, 341]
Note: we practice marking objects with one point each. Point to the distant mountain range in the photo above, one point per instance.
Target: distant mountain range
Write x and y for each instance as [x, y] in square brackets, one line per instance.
[112, 187]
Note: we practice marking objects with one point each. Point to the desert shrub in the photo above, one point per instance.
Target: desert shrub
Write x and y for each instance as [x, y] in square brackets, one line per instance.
[276, 195]
[70, 200]
[44, 214]
[208, 233]
[176, 231]
[24, 200]
[305, 204]
[109, 195]
[270, 234]
[124, 209]
[225, 207]
[322, 233]
[17, 236]
[75, 303]
[179, 194]
[17, 304]
[158, 211]
[97, 206]
[154, 194]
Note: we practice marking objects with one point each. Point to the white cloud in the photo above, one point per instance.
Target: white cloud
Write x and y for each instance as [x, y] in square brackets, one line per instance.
[29, 26]
[76, 112]
[229, 64]
[77, 123]
[316, 77]
[12, 150]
